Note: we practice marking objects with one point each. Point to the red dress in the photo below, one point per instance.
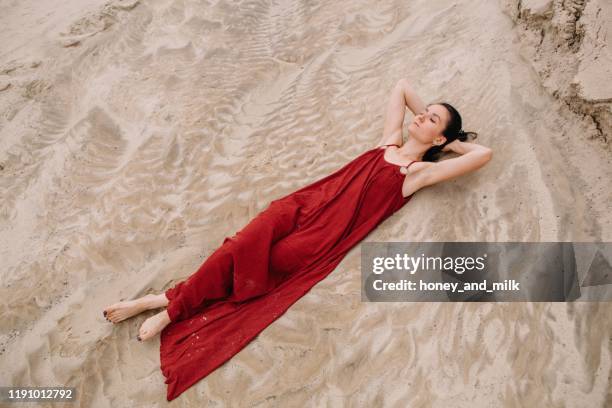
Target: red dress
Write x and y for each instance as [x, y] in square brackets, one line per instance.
[257, 274]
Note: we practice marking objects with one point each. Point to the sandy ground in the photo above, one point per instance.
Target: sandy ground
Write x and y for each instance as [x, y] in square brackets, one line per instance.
[135, 136]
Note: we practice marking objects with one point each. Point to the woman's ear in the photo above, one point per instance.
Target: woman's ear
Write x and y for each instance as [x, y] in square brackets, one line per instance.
[439, 141]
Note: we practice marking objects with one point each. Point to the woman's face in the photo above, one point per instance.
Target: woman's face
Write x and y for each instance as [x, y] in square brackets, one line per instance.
[428, 125]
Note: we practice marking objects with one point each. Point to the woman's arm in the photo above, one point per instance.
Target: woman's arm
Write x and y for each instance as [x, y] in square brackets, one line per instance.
[412, 100]
[402, 96]
[473, 157]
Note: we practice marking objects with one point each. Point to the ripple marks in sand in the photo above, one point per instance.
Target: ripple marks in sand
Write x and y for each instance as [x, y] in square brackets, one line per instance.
[95, 22]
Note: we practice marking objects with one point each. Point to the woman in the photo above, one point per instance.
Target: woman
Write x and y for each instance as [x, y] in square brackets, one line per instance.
[255, 275]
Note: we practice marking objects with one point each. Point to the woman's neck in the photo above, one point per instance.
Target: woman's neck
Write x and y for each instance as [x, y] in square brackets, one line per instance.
[413, 149]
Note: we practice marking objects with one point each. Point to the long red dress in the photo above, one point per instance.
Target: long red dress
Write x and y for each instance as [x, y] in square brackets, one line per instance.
[257, 274]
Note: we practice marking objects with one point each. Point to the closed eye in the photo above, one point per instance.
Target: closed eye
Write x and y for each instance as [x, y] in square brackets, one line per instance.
[430, 117]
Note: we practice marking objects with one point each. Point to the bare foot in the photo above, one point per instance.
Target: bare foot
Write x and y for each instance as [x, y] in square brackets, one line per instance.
[153, 325]
[124, 310]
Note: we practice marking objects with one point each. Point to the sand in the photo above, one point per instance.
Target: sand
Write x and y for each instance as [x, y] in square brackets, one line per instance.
[135, 136]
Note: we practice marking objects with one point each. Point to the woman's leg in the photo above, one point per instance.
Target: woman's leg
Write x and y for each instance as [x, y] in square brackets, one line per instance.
[239, 269]
[212, 280]
[285, 258]
[120, 311]
[153, 325]
[215, 276]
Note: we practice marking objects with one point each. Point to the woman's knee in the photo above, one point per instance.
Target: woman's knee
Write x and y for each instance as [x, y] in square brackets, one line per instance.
[286, 221]
[284, 258]
[272, 224]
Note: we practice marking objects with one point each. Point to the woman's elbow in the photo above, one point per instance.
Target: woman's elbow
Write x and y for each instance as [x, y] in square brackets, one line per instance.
[481, 158]
[403, 82]
[487, 154]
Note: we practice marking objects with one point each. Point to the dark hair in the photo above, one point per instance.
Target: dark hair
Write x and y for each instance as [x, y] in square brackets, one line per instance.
[452, 132]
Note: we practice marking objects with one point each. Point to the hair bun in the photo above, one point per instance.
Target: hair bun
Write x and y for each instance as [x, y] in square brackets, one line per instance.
[464, 136]
[461, 135]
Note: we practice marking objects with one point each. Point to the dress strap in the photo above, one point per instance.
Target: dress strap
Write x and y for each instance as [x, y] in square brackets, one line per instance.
[389, 145]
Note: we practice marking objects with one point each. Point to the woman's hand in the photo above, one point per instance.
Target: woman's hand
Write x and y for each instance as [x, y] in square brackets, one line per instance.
[452, 146]
[460, 147]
